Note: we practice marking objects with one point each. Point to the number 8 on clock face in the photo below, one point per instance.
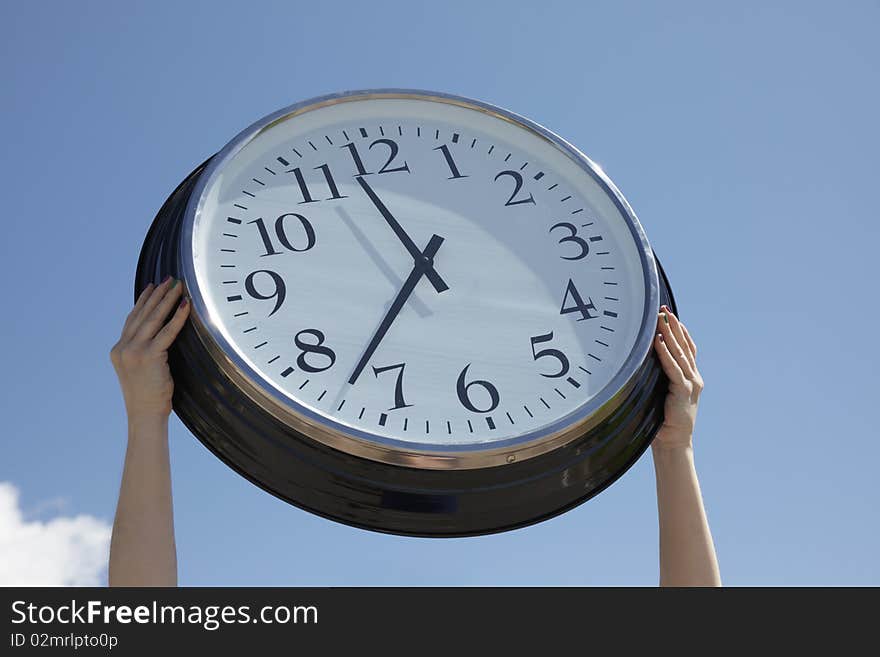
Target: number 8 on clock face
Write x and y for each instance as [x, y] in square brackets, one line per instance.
[421, 275]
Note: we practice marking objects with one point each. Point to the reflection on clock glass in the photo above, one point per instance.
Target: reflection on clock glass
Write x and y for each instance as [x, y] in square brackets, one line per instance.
[419, 271]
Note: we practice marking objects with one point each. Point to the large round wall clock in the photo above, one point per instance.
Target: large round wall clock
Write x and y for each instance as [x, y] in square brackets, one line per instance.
[412, 312]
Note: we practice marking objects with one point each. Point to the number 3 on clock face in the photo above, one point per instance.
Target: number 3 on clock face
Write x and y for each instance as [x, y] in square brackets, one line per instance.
[418, 274]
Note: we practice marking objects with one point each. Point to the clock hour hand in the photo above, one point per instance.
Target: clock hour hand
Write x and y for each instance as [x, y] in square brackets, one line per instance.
[424, 262]
[438, 283]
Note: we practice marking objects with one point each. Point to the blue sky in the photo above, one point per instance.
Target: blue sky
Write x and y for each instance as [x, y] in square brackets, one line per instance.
[743, 134]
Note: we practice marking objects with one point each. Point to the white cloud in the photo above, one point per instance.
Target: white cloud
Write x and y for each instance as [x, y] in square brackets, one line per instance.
[64, 551]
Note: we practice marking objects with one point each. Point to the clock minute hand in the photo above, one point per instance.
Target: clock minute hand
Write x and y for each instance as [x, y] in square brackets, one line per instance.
[438, 283]
[420, 268]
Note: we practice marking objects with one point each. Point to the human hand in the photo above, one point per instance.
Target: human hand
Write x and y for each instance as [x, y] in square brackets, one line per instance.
[678, 354]
[140, 358]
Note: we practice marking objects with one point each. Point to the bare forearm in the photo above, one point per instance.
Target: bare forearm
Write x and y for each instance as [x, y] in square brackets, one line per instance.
[142, 550]
[687, 553]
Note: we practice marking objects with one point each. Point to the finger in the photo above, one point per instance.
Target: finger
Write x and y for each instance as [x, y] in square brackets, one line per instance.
[674, 347]
[680, 337]
[154, 320]
[141, 300]
[670, 366]
[690, 342]
[149, 304]
[169, 332]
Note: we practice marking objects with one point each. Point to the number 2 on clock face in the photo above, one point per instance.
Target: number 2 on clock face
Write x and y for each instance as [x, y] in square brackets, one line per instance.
[419, 272]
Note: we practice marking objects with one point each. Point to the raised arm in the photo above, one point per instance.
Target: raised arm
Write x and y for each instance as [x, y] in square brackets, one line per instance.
[142, 550]
[687, 553]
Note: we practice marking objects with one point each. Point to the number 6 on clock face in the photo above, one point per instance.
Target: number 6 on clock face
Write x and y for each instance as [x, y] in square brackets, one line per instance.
[413, 273]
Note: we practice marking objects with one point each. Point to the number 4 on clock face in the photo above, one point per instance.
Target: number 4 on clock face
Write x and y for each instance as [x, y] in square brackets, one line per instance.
[577, 303]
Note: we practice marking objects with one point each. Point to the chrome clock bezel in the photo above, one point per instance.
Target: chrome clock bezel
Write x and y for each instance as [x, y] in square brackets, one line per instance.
[379, 448]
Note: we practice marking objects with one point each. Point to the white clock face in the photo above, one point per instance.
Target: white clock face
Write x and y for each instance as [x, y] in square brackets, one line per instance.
[417, 270]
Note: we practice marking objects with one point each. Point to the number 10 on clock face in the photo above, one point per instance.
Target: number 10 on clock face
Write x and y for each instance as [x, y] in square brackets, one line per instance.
[418, 272]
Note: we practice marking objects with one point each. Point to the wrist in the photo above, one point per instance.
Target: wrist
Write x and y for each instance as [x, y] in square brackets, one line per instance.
[671, 461]
[673, 437]
[672, 447]
[146, 421]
